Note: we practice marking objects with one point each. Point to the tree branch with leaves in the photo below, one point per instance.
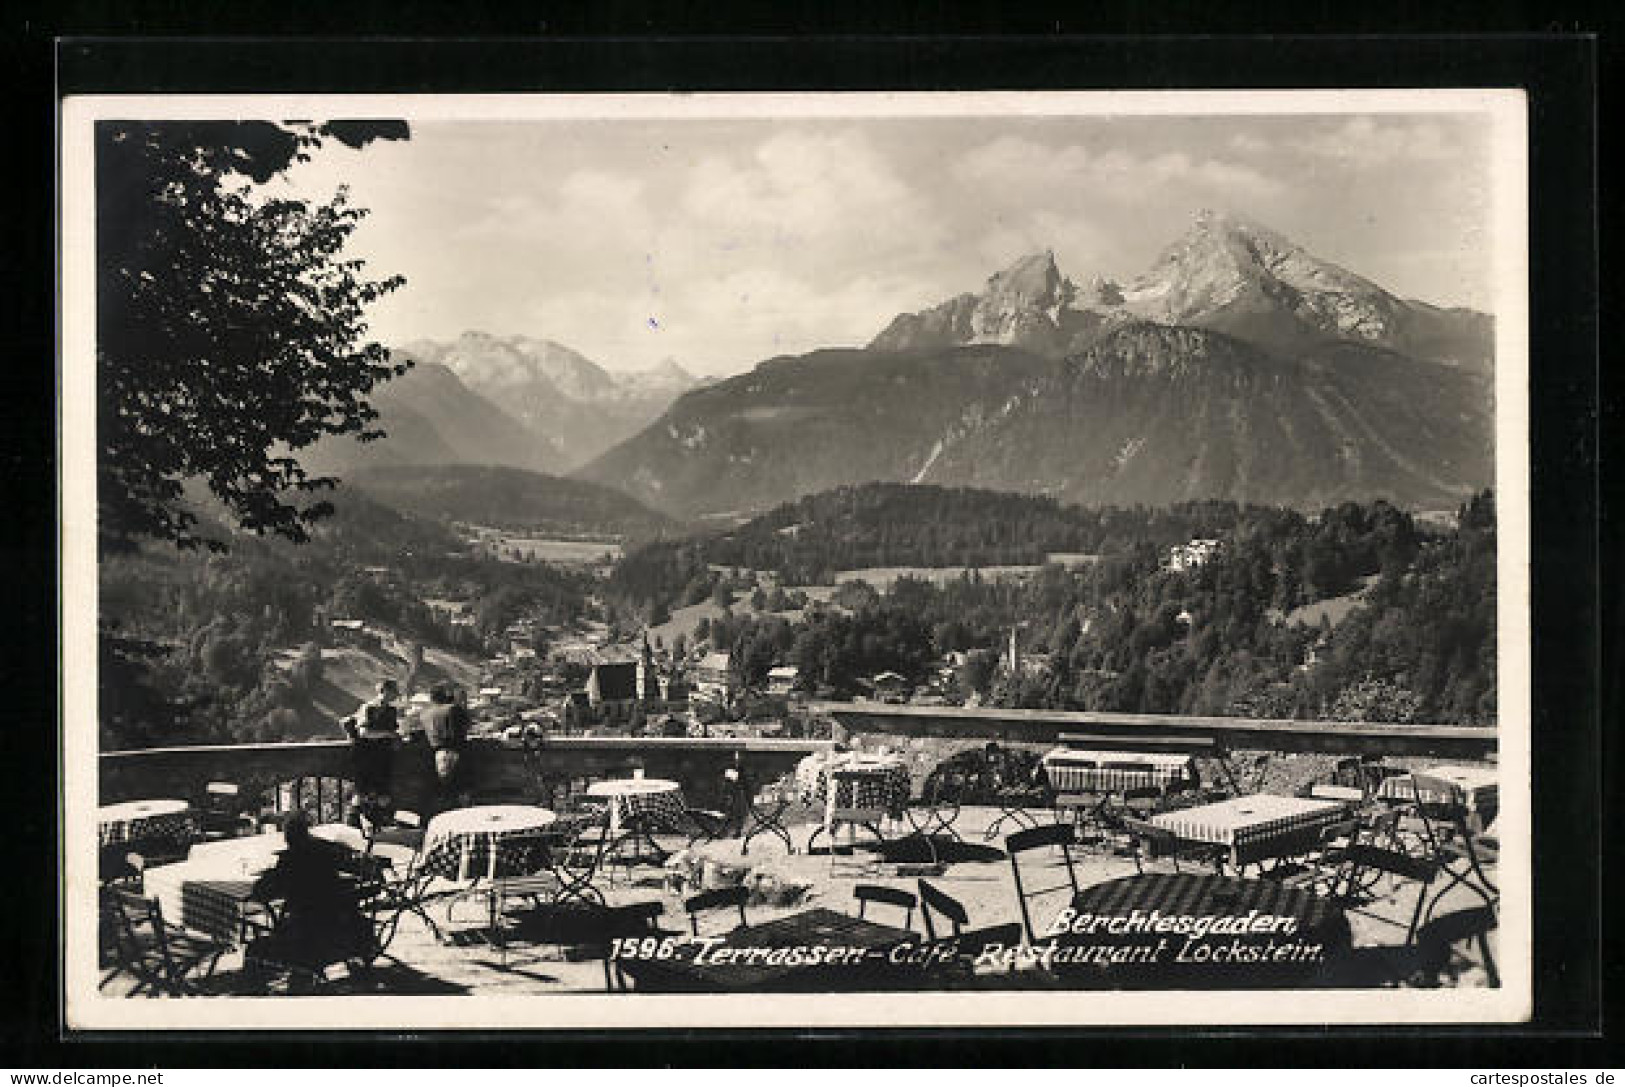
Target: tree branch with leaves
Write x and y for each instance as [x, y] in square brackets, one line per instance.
[231, 326]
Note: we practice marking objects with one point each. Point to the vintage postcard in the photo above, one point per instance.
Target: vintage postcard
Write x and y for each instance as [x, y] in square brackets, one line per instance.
[795, 560]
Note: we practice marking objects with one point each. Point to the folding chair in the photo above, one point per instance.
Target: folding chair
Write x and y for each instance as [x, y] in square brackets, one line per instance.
[1461, 851]
[765, 810]
[936, 900]
[969, 943]
[720, 899]
[404, 830]
[1360, 858]
[222, 815]
[391, 891]
[1079, 809]
[622, 922]
[1324, 867]
[850, 816]
[558, 864]
[936, 810]
[866, 893]
[159, 956]
[710, 824]
[1438, 936]
[526, 870]
[1059, 835]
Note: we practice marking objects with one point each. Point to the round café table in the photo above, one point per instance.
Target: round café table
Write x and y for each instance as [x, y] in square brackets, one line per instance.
[145, 821]
[637, 806]
[873, 781]
[658, 801]
[1259, 934]
[468, 843]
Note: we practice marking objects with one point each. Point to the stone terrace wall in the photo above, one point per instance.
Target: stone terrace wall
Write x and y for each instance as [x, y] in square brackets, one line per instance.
[492, 767]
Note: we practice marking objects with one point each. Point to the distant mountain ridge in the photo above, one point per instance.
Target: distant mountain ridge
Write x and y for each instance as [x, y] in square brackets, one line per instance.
[1238, 367]
[556, 392]
[1225, 273]
[513, 401]
[429, 416]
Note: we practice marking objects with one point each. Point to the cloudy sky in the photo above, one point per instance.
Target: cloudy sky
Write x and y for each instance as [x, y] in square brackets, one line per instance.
[721, 243]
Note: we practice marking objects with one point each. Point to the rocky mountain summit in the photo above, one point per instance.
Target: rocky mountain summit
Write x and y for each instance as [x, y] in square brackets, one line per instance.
[1238, 366]
[1226, 273]
[559, 395]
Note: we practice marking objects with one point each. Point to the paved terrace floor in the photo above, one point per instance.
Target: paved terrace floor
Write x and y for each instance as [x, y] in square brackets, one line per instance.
[416, 964]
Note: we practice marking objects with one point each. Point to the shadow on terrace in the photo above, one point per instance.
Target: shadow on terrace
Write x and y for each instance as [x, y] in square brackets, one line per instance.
[1051, 851]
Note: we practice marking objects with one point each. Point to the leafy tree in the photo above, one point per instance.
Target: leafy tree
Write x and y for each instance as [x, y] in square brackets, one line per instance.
[975, 676]
[1375, 700]
[230, 325]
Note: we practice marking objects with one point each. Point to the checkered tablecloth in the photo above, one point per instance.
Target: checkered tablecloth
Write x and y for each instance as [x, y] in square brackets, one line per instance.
[1073, 771]
[192, 896]
[1256, 827]
[882, 781]
[1477, 788]
[468, 843]
[661, 801]
[168, 821]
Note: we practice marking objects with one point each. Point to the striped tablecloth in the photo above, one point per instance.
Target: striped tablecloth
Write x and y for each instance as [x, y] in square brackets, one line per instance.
[1073, 771]
[1257, 827]
[658, 799]
[882, 781]
[1478, 788]
[135, 821]
[468, 843]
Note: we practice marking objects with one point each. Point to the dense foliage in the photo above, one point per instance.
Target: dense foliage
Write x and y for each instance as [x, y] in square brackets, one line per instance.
[1355, 614]
[1415, 640]
[199, 652]
[230, 325]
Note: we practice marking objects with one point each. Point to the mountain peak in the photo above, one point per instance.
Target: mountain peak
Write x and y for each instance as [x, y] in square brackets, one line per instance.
[1226, 272]
[1028, 304]
[1033, 281]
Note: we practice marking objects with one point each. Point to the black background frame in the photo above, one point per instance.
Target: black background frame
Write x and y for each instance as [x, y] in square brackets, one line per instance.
[1571, 603]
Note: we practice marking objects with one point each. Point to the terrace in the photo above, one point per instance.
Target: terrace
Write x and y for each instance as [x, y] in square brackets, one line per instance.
[530, 937]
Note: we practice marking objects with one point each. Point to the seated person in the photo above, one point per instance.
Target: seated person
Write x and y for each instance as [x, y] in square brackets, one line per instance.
[320, 920]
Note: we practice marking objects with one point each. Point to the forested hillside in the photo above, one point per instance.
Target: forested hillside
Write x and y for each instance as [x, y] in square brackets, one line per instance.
[196, 655]
[509, 498]
[1130, 633]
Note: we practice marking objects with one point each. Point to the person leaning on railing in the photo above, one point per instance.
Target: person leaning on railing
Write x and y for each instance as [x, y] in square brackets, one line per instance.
[446, 725]
[374, 730]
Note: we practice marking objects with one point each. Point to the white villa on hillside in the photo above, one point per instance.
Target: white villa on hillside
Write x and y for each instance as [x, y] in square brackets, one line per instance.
[1188, 556]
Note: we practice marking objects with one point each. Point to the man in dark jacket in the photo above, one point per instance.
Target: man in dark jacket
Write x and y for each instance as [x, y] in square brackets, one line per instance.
[319, 916]
[445, 724]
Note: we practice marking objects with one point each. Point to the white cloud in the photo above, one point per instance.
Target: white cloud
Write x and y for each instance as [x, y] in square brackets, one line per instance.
[1117, 173]
[1366, 141]
[1249, 143]
[738, 243]
[807, 196]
